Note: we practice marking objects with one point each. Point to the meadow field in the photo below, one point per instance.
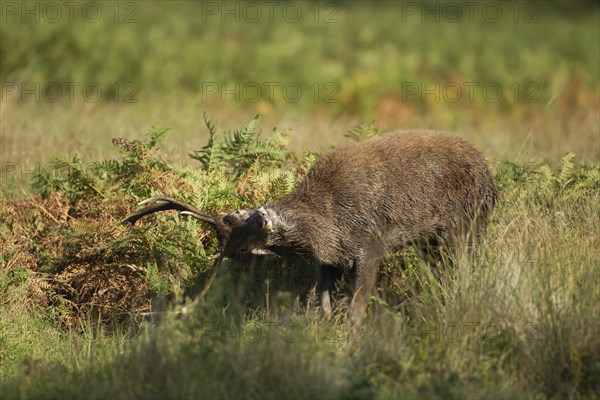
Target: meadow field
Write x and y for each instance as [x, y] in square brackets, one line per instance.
[227, 105]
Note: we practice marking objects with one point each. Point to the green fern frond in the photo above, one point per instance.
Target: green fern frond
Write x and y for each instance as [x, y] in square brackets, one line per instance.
[210, 155]
[236, 152]
[77, 179]
[566, 168]
[584, 181]
[157, 134]
[362, 131]
[545, 176]
[310, 159]
[282, 183]
[241, 140]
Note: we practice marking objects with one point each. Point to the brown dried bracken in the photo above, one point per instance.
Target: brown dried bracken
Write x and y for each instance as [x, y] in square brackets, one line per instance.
[67, 253]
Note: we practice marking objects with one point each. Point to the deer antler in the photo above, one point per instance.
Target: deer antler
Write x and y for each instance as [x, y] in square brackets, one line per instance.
[168, 203]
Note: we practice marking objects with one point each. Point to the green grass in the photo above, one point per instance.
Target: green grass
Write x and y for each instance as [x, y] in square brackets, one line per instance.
[90, 310]
[520, 320]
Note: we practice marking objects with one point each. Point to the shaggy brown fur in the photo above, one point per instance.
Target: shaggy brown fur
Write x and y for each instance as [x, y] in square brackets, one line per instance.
[362, 201]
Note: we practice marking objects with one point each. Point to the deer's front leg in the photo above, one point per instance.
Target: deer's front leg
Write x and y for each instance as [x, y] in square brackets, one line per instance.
[328, 277]
[366, 268]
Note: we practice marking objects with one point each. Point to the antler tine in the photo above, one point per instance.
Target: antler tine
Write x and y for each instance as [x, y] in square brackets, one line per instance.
[211, 277]
[170, 203]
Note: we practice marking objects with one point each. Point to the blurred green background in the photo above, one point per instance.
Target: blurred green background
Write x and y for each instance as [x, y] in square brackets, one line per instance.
[520, 79]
